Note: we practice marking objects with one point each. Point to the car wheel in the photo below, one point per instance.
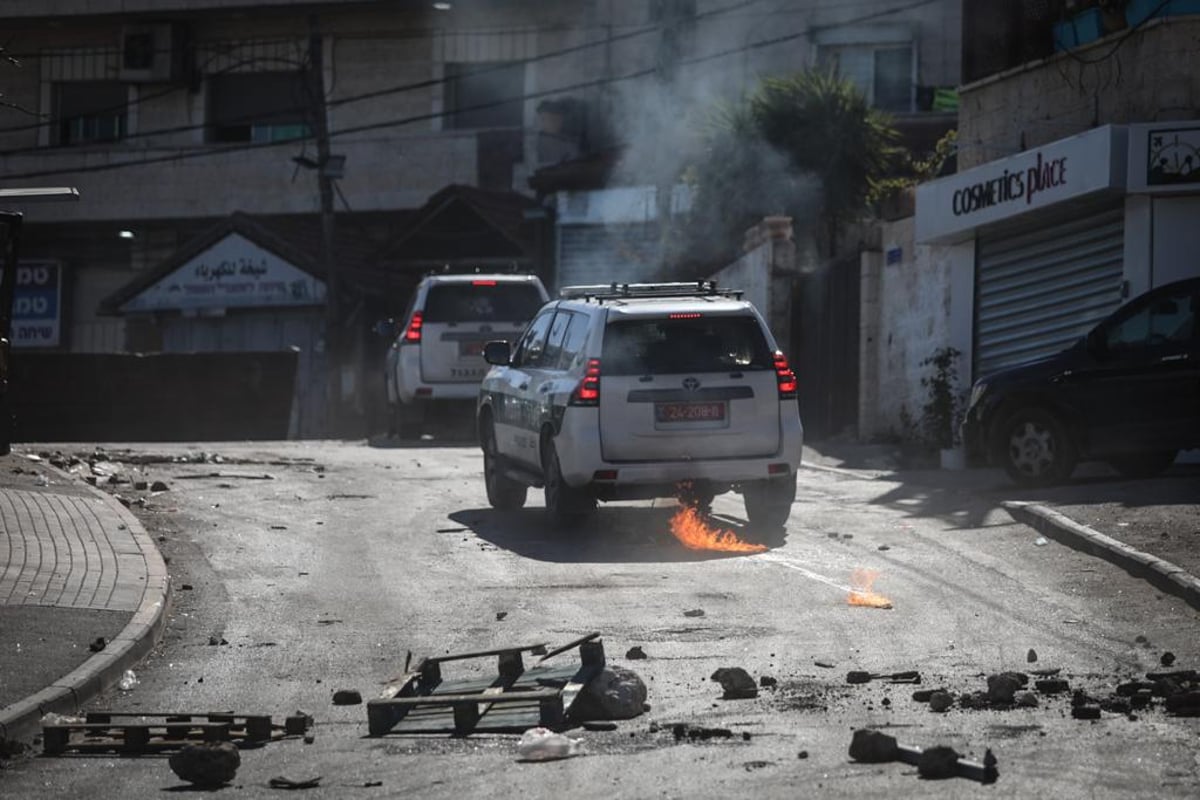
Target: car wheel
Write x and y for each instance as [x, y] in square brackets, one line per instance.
[1036, 448]
[1143, 465]
[769, 502]
[503, 493]
[407, 420]
[565, 503]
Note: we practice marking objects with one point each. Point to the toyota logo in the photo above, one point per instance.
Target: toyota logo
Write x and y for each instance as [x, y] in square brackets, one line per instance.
[691, 384]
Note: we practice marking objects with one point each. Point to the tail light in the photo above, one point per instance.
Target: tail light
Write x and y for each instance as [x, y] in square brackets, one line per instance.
[413, 334]
[785, 376]
[587, 393]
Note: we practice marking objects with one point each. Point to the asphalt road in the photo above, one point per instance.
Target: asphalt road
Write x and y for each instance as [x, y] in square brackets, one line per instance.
[326, 575]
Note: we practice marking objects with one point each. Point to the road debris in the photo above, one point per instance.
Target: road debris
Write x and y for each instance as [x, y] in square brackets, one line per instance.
[128, 681]
[874, 747]
[1003, 686]
[736, 682]
[695, 612]
[681, 730]
[347, 697]
[159, 486]
[941, 701]
[280, 782]
[206, 764]
[615, 693]
[1168, 658]
[1031, 656]
[515, 700]
[860, 676]
[635, 653]
[543, 744]
[97, 644]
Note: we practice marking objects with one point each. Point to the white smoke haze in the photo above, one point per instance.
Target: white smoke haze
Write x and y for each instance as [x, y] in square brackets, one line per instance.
[666, 124]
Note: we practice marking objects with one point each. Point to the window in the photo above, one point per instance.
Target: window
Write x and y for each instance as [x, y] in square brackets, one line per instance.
[485, 95]
[1170, 319]
[470, 302]
[258, 107]
[663, 346]
[883, 72]
[89, 111]
[529, 349]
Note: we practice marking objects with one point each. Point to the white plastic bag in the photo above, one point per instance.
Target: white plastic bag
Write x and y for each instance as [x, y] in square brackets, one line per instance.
[543, 744]
[128, 681]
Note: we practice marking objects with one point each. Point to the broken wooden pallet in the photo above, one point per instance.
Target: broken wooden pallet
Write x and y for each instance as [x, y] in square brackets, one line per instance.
[511, 701]
[155, 733]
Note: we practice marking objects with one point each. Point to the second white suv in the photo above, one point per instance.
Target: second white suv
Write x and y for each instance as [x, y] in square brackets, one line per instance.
[637, 391]
[437, 355]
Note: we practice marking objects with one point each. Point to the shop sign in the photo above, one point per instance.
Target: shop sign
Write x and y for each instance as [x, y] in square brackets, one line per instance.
[37, 305]
[1063, 170]
[233, 273]
[1164, 157]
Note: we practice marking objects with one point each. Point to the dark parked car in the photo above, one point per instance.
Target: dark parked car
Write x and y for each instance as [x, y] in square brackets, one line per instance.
[1127, 393]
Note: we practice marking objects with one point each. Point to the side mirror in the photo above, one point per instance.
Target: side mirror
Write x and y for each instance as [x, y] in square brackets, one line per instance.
[385, 327]
[497, 352]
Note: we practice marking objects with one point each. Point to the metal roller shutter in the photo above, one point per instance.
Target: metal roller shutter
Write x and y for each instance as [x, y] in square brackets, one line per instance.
[1038, 289]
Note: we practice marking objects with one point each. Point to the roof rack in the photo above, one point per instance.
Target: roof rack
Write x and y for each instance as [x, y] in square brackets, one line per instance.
[621, 291]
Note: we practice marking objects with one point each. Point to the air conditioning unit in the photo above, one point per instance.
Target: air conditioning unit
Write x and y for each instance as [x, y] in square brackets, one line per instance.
[151, 53]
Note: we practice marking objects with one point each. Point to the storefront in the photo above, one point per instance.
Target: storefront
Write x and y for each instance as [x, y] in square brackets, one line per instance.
[1061, 235]
[237, 289]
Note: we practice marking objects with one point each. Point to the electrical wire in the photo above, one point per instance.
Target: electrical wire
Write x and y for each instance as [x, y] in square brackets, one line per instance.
[410, 120]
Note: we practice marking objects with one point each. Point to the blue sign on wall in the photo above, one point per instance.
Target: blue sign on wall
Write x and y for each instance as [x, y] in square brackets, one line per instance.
[37, 305]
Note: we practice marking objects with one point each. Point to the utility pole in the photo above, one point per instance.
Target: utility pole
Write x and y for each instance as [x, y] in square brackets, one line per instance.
[333, 298]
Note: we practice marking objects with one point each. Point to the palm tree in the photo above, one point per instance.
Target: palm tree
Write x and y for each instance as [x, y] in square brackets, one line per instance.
[765, 153]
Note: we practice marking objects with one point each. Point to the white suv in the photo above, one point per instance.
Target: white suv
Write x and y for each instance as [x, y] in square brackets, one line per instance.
[437, 355]
[637, 391]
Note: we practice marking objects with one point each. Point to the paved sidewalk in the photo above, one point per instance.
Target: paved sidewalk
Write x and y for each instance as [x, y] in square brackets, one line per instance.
[75, 566]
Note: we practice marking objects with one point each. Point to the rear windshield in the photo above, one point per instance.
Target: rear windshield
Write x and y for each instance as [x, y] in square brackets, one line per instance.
[665, 346]
[469, 302]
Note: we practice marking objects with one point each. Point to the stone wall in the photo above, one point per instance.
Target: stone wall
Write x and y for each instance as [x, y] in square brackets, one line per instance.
[1151, 76]
[906, 316]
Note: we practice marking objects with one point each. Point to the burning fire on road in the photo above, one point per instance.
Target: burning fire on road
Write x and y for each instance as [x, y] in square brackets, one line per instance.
[861, 594]
[695, 534]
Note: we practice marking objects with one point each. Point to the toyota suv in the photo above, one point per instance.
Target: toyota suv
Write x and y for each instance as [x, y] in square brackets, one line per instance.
[437, 355]
[637, 391]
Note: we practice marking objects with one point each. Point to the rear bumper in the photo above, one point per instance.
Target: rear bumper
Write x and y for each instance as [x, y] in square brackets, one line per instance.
[580, 459]
[411, 389]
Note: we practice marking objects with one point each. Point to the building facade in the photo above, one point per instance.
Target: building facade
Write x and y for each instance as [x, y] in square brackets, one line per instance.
[1077, 189]
[331, 128]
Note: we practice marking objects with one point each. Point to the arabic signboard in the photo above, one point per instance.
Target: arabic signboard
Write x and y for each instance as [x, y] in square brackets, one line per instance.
[37, 305]
[1071, 168]
[233, 273]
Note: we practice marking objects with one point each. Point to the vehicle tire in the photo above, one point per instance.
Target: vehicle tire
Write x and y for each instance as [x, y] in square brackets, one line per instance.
[1143, 465]
[565, 503]
[1035, 448]
[769, 502]
[407, 420]
[503, 493]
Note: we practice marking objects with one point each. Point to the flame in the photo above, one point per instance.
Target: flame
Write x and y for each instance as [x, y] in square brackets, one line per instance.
[690, 529]
[861, 581]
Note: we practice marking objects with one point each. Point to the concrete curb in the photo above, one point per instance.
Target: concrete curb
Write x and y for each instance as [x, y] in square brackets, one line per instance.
[1163, 575]
[21, 720]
